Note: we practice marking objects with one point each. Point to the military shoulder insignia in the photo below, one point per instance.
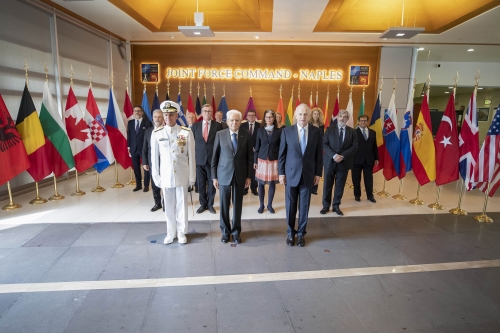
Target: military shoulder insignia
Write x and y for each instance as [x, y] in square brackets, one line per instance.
[185, 128]
[158, 128]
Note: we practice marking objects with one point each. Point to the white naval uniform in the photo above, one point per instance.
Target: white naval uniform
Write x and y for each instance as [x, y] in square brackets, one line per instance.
[173, 168]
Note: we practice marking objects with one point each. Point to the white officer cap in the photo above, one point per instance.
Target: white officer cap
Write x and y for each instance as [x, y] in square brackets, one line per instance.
[169, 106]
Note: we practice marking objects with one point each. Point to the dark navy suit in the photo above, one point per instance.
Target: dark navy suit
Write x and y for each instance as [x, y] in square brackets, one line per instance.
[135, 141]
[146, 160]
[299, 170]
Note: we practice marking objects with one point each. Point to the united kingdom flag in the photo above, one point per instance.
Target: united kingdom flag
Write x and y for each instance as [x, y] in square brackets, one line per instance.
[469, 144]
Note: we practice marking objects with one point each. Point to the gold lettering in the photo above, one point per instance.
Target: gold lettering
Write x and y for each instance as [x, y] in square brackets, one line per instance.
[304, 74]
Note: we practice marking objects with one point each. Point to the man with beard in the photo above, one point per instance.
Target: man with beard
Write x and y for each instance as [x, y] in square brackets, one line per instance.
[146, 156]
[340, 142]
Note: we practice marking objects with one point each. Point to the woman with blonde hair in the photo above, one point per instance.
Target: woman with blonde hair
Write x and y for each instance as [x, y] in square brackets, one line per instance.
[279, 120]
[317, 120]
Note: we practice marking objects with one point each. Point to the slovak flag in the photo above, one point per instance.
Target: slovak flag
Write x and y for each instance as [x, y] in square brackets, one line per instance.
[391, 139]
[117, 132]
[99, 135]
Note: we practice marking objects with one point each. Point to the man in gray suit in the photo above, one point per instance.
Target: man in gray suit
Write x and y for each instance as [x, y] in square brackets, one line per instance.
[232, 163]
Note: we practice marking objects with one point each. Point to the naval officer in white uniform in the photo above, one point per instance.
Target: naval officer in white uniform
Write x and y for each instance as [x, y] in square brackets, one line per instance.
[173, 167]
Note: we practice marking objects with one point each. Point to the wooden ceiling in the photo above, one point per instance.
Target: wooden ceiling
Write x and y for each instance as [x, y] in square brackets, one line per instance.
[436, 16]
[220, 15]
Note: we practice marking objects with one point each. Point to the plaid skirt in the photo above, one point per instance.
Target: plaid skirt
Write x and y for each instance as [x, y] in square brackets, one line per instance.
[267, 172]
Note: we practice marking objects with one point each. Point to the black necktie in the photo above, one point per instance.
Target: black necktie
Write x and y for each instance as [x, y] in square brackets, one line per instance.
[341, 137]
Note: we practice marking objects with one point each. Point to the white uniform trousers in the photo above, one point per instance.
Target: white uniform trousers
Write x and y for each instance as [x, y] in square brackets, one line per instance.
[176, 210]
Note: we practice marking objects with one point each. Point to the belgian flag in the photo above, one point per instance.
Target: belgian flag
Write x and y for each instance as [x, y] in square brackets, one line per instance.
[29, 127]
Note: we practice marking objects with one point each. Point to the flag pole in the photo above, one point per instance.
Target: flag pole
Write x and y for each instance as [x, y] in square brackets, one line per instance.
[117, 184]
[11, 205]
[38, 199]
[346, 183]
[483, 217]
[458, 210]
[132, 180]
[77, 192]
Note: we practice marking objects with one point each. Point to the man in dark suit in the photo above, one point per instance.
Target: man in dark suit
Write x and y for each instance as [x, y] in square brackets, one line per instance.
[204, 138]
[135, 141]
[364, 159]
[299, 168]
[218, 118]
[340, 142]
[252, 126]
[232, 164]
[146, 156]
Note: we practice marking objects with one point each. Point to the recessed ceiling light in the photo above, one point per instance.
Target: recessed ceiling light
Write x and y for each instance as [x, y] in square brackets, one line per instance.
[196, 33]
[446, 92]
[470, 50]
[450, 87]
[385, 38]
[420, 49]
[257, 37]
[401, 34]
[479, 88]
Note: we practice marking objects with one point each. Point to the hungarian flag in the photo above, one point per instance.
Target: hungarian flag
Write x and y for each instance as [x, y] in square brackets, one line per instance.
[13, 156]
[280, 110]
[376, 125]
[79, 135]
[223, 107]
[128, 110]
[446, 143]
[250, 106]
[335, 112]
[289, 113]
[58, 146]
[392, 167]
[117, 131]
[145, 105]
[29, 127]
[423, 156]
[468, 143]
[156, 104]
[350, 109]
[488, 167]
[99, 135]
[327, 120]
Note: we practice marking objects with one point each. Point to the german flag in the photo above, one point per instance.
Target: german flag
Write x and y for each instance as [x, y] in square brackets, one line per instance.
[13, 157]
[29, 127]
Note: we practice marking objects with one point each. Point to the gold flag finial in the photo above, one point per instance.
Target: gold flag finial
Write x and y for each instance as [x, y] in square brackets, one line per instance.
[71, 72]
[204, 89]
[250, 91]
[46, 70]
[428, 82]
[213, 89]
[168, 87]
[351, 88]
[381, 84]
[198, 88]
[111, 78]
[298, 91]
[328, 89]
[190, 86]
[126, 82]
[394, 84]
[179, 86]
[156, 88]
[223, 90]
[477, 77]
[456, 79]
[89, 73]
[293, 86]
[145, 80]
[26, 67]
[281, 88]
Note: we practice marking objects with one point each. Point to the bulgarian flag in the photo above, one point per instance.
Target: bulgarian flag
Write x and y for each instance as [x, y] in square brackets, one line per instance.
[58, 145]
[29, 127]
[79, 134]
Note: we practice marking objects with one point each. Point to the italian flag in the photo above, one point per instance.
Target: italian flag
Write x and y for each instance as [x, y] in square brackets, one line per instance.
[59, 149]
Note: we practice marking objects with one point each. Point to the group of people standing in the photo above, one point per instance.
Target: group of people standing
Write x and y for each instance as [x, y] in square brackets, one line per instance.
[245, 155]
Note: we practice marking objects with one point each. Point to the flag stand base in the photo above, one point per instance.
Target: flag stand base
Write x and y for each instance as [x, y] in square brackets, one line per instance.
[399, 197]
[436, 206]
[11, 205]
[56, 195]
[383, 193]
[483, 218]
[38, 200]
[117, 183]
[77, 193]
[416, 201]
[458, 211]
[98, 187]
[132, 180]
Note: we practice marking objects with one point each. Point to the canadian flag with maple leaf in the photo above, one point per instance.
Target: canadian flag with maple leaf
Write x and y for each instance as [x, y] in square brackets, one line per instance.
[79, 135]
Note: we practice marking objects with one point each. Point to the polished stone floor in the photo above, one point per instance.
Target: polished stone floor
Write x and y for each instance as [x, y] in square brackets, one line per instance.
[97, 263]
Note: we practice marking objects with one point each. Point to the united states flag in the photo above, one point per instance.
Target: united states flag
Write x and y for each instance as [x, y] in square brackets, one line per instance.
[488, 168]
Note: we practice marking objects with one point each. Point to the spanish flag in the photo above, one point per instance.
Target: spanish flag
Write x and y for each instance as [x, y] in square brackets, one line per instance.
[29, 127]
[423, 156]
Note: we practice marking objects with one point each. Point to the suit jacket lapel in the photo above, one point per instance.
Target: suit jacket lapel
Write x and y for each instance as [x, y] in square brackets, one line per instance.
[240, 140]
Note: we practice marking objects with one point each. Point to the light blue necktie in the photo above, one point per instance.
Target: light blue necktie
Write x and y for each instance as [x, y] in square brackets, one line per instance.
[364, 134]
[303, 140]
[235, 143]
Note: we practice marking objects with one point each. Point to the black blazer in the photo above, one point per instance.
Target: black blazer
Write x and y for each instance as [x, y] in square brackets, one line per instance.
[367, 149]
[227, 164]
[256, 126]
[204, 150]
[146, 147]
[331, 146]
[135, 141]
[292, 163]
[265, 148]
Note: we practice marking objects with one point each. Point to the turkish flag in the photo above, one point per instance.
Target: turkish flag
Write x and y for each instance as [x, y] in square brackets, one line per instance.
[446, 143]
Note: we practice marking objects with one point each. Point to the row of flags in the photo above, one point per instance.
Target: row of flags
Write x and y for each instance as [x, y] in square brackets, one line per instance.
[45, 143]
[443, 159]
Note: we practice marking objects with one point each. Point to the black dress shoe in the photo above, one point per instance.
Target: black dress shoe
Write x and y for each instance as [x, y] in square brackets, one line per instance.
[236, 239]
[245, 192]
[137, 189]
[301, 241]
[270, 209]
[338, 211]
[357, 199]
[155, 208]
[255, 193]
[201, 209]
[315, 193]
[372, 199]
[224, 239]
[260, 210]
[146, 189]
[324, 211]
[290, 241]
[211, 209]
